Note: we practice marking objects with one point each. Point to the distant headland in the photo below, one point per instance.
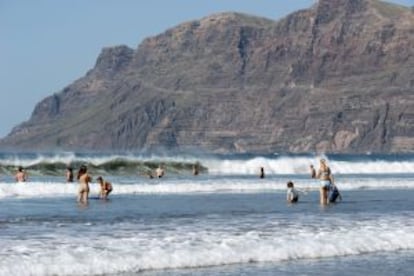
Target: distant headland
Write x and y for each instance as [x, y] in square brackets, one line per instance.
[337, 77]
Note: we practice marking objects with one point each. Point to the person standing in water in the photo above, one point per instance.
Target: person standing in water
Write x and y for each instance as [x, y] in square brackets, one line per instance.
[262, 173]
[325, 176]
[84, 179]
[159, 172]
[312, 171]
[21, 175]
[69, 174]
[106, 188]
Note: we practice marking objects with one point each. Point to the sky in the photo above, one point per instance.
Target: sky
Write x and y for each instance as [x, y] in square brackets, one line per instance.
[47, 44]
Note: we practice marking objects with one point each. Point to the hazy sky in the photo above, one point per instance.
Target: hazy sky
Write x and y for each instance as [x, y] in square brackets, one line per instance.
[47, 44]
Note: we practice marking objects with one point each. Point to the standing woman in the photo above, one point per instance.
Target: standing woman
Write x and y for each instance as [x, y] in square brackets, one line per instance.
[84, 180]
[325, 176]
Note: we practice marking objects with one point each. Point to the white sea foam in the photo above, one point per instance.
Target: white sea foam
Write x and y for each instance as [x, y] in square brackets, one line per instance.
[300, 165]
[188, 186]
[125, 248]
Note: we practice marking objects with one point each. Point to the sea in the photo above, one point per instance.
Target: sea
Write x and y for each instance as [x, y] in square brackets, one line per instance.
[224, 221]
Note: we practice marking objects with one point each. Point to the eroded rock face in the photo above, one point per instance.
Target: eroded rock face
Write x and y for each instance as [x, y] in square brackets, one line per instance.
[337, 77]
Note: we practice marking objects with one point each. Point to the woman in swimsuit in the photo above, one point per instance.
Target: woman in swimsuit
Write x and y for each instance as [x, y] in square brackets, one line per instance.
[84, 180]
[325, 177]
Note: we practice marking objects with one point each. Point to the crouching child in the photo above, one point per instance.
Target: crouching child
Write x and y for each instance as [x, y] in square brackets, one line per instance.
[292, 193]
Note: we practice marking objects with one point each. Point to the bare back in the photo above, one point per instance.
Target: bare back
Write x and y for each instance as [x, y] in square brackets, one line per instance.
[84, 179]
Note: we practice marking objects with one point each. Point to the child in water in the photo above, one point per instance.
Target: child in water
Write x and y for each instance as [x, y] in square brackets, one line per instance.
[292, 193]
[333, 194]
[106, 187]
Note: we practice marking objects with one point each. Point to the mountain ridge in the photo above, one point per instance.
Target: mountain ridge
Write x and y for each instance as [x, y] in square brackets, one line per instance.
[337, 77]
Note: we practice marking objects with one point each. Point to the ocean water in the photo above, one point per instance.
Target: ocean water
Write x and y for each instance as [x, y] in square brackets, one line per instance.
[225, 221]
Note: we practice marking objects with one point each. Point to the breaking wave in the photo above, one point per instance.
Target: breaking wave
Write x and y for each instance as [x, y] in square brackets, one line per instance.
[123, 248]
[124, 164]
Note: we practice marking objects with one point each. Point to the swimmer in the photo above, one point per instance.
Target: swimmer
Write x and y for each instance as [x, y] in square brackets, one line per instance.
[21, 175]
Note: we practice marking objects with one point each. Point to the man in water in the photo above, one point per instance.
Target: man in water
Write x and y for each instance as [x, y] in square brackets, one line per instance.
[262, 173]
[21, 175]
[69, 174]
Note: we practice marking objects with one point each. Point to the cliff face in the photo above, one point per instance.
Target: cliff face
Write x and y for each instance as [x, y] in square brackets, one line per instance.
[338, 77]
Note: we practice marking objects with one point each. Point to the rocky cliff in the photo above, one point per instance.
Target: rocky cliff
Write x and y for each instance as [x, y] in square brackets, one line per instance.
[337, 77]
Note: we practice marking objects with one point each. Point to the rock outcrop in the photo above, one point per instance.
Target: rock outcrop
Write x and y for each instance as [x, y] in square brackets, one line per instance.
[337, 77]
